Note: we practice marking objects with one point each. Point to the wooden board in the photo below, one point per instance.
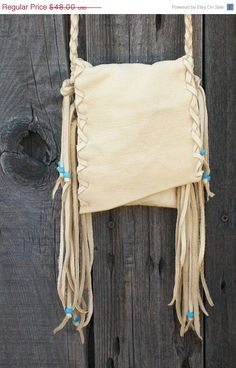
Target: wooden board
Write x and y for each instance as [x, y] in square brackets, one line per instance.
[220, 54]
[133, 272]
[33, 65]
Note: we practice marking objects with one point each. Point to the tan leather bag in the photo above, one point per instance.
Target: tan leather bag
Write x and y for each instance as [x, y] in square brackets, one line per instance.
[141, 139]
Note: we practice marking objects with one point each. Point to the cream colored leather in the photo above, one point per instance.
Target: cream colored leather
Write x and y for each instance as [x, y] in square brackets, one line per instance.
[135, 140]
[167, 198]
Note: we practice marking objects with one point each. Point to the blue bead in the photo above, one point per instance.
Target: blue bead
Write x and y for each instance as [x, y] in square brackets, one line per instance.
[67, 174]
[77, 319]
[68, 310]
[190, 314]
[206, 176]
[202, 152]
[60, 169]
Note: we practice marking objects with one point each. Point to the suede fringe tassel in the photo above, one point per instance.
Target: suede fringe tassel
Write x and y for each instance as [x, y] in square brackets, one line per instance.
[74, 282]
[190, 238]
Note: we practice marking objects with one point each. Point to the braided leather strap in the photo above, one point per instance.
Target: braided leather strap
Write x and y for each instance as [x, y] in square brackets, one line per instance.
[188, 39]
[74, 31]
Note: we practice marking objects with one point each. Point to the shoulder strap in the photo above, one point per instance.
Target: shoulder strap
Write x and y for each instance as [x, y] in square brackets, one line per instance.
[74, 31]
[188, 38]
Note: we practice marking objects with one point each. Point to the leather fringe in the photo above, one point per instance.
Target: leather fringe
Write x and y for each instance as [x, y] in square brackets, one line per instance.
[190, 238]
[75, 261]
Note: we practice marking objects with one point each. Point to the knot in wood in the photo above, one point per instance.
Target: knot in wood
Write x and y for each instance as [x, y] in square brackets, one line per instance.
[26, 153]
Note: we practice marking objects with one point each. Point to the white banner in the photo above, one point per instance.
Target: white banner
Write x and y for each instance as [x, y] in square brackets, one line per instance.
[115, 7]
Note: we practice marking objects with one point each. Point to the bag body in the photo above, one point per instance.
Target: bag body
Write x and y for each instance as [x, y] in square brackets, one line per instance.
[133, 134]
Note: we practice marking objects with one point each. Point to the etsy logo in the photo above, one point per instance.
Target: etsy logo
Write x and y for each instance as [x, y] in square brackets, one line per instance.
[230, 7]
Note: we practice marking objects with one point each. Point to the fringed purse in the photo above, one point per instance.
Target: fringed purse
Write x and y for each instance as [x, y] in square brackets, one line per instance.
[133, 134]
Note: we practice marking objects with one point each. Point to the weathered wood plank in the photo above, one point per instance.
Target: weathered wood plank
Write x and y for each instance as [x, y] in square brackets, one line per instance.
[220, 82]
[134, 253]
[34, 63]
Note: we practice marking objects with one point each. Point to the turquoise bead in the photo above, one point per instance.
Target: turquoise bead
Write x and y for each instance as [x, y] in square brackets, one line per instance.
[190, 314]
[68, 310]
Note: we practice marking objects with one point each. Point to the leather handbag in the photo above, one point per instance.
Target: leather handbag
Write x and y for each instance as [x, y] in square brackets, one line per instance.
[133, 134]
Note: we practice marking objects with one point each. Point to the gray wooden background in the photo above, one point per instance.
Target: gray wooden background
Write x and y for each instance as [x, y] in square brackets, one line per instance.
[134, 247]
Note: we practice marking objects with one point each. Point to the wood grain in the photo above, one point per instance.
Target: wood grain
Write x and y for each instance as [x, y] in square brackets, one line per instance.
[220, 83]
